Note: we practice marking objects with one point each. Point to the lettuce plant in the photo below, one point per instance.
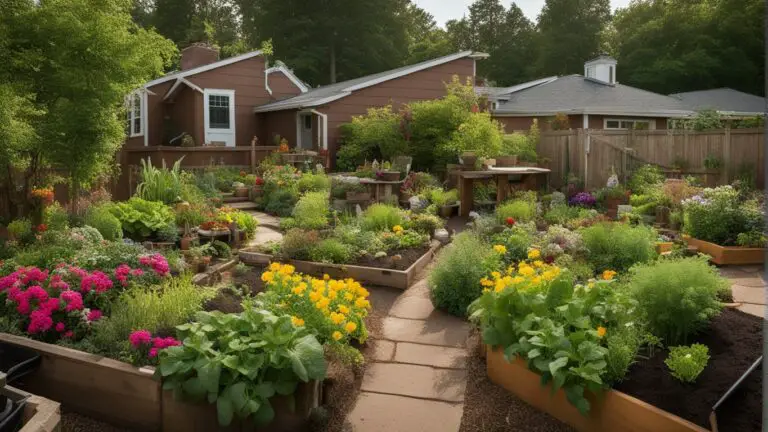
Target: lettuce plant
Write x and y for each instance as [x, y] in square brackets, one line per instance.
[687, 363]
[142, 219]
[240, 361]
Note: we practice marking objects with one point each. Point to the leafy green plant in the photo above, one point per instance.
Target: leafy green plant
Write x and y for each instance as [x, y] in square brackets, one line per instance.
[616, 246]
[381, 217]
[142, 219]
[560, 214]
[459, 267]
[280, 201]
[20, 229]
[425, 223]
[245, 222]
[340, 188]
[479, 133]
[240, 361]
[623, 345]
[55, 217]
[712, 162]
[108, 225]
[754, 239]
[646, 178]
[332, 251]
[375, 135]
[160, 184]
[516, 241]
[719, 215]
[686, 363]
[312, 211]
[519, 210]
[677, 297]
[310, 182]
[441, 198]
[521, 145]
[411, 239]
[297, 243]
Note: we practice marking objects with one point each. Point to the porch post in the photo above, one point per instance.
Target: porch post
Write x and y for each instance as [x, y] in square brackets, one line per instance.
[298, 130]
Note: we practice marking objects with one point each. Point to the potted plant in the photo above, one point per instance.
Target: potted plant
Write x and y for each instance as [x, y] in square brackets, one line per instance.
[468, 160]
[214, 228]
[357, 192]
[240, 190]
[712, 166]
[445, 201]
[612, 197]
[258, 187]
[386, 173]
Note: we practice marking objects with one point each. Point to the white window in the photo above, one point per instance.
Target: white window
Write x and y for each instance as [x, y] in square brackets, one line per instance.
[626, 124]
[218, 111]
[219, 116]
[135, 108]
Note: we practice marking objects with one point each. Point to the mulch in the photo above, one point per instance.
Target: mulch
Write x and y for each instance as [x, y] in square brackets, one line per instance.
[226, 300]
[735, 341]
[399, 259]
[491, 408]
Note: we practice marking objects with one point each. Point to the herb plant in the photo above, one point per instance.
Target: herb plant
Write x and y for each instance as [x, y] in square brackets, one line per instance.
[686, 363]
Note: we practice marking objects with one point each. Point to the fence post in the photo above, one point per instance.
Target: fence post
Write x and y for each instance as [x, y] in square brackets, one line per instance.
[727, 155]
[253, 154]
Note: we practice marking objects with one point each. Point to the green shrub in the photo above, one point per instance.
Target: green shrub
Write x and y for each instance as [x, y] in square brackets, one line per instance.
[623, 344]
[375, 135]
[280, 202]
[560, 214]
[677, 297]
[105, 222]
[719, 215]
[616, 246]
[312, 211]
[332, 251]
[645, 179]
[55, 217]
[154, 308]
[411, 239]
[687, 363]
[440, 197]
[160, 184]
[381, 217]
[425, 223]
[314, 183]
[519, 145]
[247, 223]
[479, 133]
[581, 269]
[287, 223]
[141, 219]
[519, 210]
[358, 239]
[516, 240]
[20, 229]
[297, 244]
[89, 234]
[109, 255]
[454, 282]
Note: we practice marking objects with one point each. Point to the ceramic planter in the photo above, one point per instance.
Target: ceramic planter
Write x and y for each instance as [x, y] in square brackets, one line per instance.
[728, 255]
[506, 161]
[611, 411]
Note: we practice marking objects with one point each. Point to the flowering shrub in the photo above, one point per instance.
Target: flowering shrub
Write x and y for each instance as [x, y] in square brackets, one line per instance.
[43, 195]
[149, 347]
[64, 302]
[535, 311]
[558, 240]
[332, 310]
[719, 215]
[582, 199]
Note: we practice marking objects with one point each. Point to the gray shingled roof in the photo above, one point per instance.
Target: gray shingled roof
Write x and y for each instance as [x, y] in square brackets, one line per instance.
[325, 94]
[576, 94]
[722, 99]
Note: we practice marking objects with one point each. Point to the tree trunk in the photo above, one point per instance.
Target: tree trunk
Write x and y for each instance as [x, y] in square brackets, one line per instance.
[333, 62]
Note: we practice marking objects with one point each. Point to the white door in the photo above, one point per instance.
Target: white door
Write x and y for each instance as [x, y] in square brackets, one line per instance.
[306, 131]
[219, 116]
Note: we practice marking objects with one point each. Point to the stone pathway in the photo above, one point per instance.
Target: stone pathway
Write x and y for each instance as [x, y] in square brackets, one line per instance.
[417, 380]
[748, 288]
[267, 230]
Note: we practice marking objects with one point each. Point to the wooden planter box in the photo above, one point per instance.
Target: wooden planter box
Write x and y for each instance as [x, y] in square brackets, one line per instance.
[610, 412]
[123, 395]
[401, 279]
[728, 255]
[662, 247]
[39, 415]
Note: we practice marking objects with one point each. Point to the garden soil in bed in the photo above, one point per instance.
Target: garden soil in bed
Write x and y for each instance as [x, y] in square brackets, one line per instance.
[407, 258]
[735, 342]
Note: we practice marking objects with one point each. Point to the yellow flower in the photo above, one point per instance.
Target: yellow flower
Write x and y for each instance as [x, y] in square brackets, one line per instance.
[337, 335]
[298, 322]
[486, 282]
[287, 269]
[527, 271]
[500, 249]
[608, 274]
[322, 303]
[538, 263]
[496, 275]
[274, 266]
[362, 292]
[337, 318]
[536, 280]
[332, 295]
[518, 279]
[601, 331]
[326, 277]
[549, 275]
[362, 303]
[350, 327]
[267, 276]
[500, 285]
[343, 309]
[349, 296]
[397, 229]
[534, 254]
[314, 296]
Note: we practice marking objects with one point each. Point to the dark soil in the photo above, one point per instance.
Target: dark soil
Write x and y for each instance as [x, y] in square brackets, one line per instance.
[491, 408]
[735, 342]
[74, 422]
[406, 258]
[227, 301]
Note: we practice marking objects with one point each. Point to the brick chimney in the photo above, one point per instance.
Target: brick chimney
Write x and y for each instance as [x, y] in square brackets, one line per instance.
[198, 54]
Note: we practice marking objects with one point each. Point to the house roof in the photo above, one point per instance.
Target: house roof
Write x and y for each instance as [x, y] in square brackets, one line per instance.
[185, 73]
[322, 95]
[502, 93]
[290, 75]
[575, 94]
[726, 100]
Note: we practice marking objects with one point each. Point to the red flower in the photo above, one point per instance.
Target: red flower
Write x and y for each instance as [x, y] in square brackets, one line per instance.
[510, 221]
[259, 181]
[42, 228]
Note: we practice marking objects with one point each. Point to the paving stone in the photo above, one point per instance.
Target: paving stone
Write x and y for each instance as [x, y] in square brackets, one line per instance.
[750, 280]
[415, 381]
[746, 294]
[420, 289]
[431, 355]
[757, 310]
[412, 307]
[382, 350]
[244, 206]
[375, 412]
[266, 219]
[264, 235]
[752, 268]
[439, 329]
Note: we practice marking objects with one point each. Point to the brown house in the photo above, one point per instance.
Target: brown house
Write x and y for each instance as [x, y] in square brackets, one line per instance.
[210, 100]
[594, 100]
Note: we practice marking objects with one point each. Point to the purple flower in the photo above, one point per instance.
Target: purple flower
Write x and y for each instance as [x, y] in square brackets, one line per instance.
[582, 199]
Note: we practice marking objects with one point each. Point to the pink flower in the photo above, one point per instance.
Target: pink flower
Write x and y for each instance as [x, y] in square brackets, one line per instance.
[39, 322]
[37, 292]
[137, 272]
[153, 352]
[69, 334]
[161, 343]
[73, 300]
[94, 315]
[60, 327]
[158, 263]
[97, 281]
[50, 306]
[140, 337]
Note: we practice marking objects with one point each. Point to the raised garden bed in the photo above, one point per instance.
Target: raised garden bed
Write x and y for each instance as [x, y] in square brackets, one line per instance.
[121, 394]
[38, 413]
[379, 272]
[728, 255]
[650, 399]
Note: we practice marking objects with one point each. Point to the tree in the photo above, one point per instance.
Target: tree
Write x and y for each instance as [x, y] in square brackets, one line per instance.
[69, 65]
[569, 34]
[425, 39]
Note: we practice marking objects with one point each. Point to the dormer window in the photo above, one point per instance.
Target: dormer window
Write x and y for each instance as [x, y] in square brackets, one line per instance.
[602, 69]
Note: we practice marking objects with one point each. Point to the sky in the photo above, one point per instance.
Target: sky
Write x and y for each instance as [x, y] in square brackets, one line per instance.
[444, 10]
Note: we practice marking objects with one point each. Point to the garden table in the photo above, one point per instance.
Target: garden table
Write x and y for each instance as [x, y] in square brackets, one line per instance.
[381, 190]
[502, 178]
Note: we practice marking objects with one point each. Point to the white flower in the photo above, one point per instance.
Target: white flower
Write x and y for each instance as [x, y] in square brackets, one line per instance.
[687, 356]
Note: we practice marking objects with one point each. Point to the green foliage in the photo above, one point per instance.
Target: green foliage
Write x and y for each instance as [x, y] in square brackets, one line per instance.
[142, 219]
[519, 210]
[646, 179]
[280, 201]
[20, 229]
[719, 215]
[623, 345]
[107, 256]
[56, 217]
[108, 225]
[516, 240]
[480, 134]
[703, 120]
[381, 217]
[359, 240]
[312, 211]
[753, 239]
[154, 308]
[241, 361]
[560, 214]
[677, 297]
[440, 197]
[297, 244]
[425, 223]
[160, 184]
[310, 182]
[247, 223]
[332, 251]
[615, 246]
[459, 267]
[411, 239]
[375, 135]
[686, 363]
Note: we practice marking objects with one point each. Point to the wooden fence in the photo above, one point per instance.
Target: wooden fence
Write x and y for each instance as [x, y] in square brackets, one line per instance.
[592, 155]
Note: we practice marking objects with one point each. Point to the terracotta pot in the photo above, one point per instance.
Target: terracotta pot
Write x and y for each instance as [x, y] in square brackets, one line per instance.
[186, 242]
[241, 192]
[612, 206]
[506, 161]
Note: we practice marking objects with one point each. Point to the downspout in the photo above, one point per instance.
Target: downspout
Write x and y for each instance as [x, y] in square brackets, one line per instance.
[585, 116]
[266, 76]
